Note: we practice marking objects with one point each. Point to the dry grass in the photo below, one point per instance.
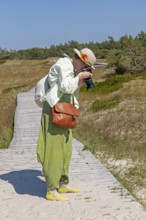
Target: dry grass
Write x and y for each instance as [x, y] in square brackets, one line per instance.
[118, 134]
[15, 77]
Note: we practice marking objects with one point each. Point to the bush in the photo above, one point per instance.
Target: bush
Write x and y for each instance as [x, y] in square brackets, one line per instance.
[109, 85]
[2, 61]
[104, 104]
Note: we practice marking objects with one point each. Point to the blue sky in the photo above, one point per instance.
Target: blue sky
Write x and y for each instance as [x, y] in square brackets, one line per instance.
[42, 23]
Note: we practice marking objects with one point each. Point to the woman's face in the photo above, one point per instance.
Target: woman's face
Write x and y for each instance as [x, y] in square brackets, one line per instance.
[78, 65]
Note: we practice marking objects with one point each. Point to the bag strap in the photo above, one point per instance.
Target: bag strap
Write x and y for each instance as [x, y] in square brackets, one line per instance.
[73, 101]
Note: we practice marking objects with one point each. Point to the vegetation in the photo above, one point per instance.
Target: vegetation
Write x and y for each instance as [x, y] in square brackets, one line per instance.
[112, 126]
[2, 61]
[109, 85]
[15, 77]
[105, 103]
[128, 54]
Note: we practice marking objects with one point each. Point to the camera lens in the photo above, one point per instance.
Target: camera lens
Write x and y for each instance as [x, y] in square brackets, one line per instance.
[88, 80]
[89, 83]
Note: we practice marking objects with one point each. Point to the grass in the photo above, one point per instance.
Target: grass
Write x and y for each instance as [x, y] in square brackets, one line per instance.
[6, 136]
[111, 124]
[2, 62]
[104, 103]
[16, 76]
[109, 85]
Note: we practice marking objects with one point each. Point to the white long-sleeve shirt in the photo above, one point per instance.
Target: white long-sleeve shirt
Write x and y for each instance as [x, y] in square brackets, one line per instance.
[62, 80]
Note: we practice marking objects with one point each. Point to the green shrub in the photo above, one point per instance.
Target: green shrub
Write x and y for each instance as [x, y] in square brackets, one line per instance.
[2, 61]
[6, 137]
[109, 85]
[143, 76]
[104, 104]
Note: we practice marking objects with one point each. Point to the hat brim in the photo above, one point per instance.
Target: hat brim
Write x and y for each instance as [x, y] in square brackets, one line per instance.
[79, 54]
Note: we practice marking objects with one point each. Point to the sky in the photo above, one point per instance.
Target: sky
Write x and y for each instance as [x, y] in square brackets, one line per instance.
[26, 24]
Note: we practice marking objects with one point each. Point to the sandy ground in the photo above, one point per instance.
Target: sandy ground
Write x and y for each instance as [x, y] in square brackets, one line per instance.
[23, 189]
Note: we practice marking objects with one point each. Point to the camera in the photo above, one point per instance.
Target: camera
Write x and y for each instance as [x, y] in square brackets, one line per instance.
[89, 81]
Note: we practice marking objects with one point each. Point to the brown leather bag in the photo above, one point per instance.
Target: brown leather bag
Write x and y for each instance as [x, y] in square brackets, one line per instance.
[64, 115]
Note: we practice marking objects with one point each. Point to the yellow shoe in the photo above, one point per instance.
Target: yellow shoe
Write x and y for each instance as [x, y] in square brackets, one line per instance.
[67, 189]
[54, 196]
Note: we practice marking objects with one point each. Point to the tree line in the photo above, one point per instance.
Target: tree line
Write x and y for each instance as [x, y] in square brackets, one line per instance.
[128, 54]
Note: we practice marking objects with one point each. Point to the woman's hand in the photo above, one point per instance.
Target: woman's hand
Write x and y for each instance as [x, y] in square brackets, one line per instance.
[82, 76]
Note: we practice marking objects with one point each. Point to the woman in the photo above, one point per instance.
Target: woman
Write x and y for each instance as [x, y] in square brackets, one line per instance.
[54, 148]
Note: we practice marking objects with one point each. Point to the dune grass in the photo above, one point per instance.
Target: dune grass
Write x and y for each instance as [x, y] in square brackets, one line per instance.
[2, 61]
[16, 76]
[109, 85]
[112, 126]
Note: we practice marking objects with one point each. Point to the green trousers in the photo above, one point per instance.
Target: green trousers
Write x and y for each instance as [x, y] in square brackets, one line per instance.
[54, 149]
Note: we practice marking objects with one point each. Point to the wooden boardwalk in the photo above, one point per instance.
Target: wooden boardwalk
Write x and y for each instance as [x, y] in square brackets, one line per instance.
[22, 186]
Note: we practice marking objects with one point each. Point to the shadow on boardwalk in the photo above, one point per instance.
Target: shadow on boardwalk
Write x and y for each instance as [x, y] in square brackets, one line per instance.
[26, 182]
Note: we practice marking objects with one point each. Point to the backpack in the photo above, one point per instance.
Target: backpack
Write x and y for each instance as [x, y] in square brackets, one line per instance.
[41, 88]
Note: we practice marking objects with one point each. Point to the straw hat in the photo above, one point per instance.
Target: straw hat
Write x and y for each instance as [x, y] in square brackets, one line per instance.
[87, 56]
